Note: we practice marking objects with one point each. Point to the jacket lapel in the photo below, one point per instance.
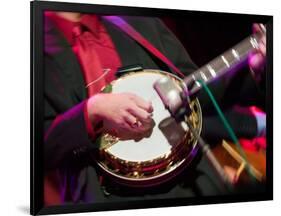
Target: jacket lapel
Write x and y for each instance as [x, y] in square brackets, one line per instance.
[57, 47]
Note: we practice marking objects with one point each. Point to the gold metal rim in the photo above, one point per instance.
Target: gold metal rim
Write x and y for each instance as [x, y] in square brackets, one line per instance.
[132, 175]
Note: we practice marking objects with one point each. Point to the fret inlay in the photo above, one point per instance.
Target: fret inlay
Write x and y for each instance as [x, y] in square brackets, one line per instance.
[225, 61]
[212, 71]
[235, 54]
[203, 76]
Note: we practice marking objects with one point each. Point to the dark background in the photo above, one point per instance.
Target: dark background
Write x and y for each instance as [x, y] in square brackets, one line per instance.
[206, 37]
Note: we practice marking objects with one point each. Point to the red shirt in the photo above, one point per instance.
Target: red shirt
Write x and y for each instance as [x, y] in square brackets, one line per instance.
[108, 56]
[102, 44]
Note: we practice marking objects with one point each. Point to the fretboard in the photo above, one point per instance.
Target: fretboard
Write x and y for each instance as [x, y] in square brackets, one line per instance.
[224, 63]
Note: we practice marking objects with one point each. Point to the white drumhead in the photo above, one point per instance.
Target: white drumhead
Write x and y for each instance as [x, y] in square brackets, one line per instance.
[161, 140]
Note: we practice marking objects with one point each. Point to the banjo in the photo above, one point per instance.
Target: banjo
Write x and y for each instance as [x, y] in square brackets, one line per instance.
[171, 146]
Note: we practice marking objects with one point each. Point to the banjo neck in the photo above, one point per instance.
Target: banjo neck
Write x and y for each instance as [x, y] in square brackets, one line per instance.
[224, 63]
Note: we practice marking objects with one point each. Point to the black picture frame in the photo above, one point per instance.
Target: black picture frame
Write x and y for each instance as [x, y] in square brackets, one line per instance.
[37, 107]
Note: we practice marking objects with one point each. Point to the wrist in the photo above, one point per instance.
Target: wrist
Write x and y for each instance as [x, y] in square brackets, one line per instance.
[94, 114]
[93, 107]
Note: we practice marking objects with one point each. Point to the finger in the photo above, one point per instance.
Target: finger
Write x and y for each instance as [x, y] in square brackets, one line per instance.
[124, 126]
[258, 27]
[256, 61]
[135, 125]
[147, 106]
[263, 40]
[129, 134]
[140, 114]
[262, 49]
[131, 120]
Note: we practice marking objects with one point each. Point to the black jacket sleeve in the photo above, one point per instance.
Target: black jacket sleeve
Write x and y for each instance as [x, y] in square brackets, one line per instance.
[66, 137]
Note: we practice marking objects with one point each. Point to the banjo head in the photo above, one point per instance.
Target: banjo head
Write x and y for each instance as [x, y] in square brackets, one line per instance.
[152, 159]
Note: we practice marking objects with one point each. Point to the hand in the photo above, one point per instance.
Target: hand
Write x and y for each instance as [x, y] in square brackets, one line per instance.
[258, 57]
[125, 115]
[136, 134]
